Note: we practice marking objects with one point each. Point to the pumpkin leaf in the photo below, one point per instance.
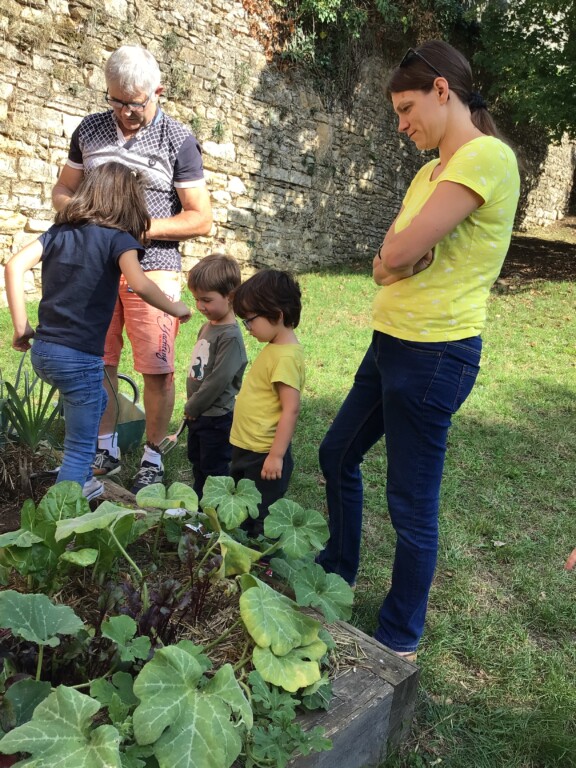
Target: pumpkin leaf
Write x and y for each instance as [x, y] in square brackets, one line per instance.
[297, 529]
[326, 591]
[189, 723]
[20, 700]
[121, 630]
[35, 618]
[299, 668]
[60, 734]
[236, 558]
[178, 496]
[273, 620]
[233, 504]
[121, 685]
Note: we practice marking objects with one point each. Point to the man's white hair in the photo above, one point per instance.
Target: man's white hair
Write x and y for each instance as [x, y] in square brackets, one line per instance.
[133, 69]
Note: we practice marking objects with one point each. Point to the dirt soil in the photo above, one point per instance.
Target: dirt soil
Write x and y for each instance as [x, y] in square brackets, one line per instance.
[545, 254]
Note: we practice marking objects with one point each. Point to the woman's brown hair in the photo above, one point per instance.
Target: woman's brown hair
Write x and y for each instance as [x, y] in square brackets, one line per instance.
[111, 195]
[421, 66]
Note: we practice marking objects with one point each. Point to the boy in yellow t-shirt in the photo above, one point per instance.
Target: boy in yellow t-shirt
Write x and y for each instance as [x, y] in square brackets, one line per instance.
[268, 404]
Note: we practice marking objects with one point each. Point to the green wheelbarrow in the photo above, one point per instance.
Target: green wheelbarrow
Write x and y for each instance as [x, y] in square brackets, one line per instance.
[130, 417]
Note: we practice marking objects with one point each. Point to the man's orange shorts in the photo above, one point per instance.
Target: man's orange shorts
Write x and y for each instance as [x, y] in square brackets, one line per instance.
[152, 333]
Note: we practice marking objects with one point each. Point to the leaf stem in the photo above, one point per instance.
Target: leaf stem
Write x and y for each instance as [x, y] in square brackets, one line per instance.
[244, 658]
[40, 660]
[137, 571]
[157, 536]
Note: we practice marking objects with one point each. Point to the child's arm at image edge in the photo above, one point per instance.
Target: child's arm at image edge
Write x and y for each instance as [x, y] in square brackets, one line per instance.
[290, 402]
[147, 290]
[14, 272]
[571, 562]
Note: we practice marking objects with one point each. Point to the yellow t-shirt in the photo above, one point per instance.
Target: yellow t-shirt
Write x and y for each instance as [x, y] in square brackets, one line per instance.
[447, 301]
[258, 409]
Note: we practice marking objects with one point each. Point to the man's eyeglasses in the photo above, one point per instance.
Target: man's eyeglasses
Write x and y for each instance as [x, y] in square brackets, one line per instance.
[133, 106]
[411, 52]
[247, 321]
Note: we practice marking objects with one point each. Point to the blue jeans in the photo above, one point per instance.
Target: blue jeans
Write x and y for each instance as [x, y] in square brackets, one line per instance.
[408, 392]
[79, 377]
[209, 448]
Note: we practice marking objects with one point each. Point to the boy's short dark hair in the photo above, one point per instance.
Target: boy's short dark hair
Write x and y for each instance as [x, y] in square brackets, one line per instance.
[269, 293]
[216, 272]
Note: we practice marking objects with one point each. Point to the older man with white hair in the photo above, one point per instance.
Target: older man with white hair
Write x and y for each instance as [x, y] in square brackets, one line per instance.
[136, 132]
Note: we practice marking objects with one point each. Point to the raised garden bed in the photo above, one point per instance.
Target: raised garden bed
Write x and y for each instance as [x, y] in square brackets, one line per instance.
[140, 634]
[371, 710]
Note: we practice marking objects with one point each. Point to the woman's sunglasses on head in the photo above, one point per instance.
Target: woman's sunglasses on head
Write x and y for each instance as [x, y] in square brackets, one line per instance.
[412, 53]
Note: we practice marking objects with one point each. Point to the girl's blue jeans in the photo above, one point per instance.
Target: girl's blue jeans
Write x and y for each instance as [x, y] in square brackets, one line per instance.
[79, 377]
[408, 392]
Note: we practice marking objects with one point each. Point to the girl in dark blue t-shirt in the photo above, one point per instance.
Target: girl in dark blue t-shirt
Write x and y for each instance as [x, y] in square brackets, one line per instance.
[95, 238]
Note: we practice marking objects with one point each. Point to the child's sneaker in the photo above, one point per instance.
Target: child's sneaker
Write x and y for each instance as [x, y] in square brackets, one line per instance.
[148, 474]
[105, 464]
[92, 489]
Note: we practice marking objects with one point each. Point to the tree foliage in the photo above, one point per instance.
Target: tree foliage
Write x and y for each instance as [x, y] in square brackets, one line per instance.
[523, 51]
[527, 53]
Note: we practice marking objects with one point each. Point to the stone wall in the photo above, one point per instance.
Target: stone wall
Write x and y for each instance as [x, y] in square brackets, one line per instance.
[294, 183]
[550, 182]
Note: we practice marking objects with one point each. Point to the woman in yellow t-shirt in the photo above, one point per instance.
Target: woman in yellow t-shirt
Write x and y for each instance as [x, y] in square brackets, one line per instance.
[436, 265]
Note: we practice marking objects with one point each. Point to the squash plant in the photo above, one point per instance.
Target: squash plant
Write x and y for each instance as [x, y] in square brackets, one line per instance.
[124, 686]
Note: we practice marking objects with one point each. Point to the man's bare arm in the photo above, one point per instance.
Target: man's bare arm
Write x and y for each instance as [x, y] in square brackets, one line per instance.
[67, 184]
[194, 219]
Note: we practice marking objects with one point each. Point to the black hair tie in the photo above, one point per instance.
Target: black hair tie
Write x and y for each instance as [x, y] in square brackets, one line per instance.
[475, 101]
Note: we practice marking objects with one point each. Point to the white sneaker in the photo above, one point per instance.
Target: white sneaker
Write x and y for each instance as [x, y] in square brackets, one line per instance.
[92, 489]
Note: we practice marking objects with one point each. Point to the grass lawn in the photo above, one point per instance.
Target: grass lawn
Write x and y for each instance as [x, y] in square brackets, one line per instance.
[498, 659]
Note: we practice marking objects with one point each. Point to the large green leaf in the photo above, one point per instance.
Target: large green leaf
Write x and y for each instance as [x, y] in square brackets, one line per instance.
[190, 725]
[297, 669]
[61, 502]
[38, 561]
[121, 685]
[82, 557]
[233, 504]
[178, 496]
[326, 591]
[273, 620]
[35, 618]
[121, 630]
[19, 538]
[136, 756]
[126, 530]
[20, 701]
[106, 516]
[60, 734]
[33, 550]
[236, 558]
[298, 530]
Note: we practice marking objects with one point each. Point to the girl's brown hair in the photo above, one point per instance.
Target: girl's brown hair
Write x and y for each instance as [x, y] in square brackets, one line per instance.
[421, 66]
[111, 195]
